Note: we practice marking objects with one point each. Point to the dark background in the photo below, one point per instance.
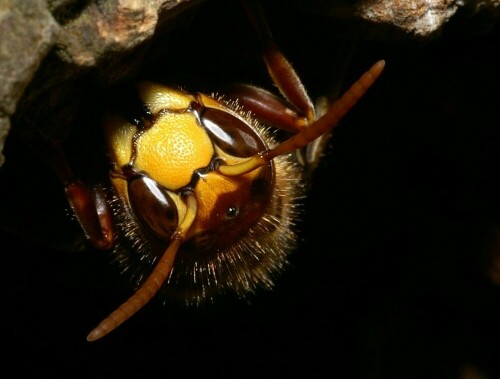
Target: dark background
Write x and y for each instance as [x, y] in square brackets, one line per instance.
[389, 280]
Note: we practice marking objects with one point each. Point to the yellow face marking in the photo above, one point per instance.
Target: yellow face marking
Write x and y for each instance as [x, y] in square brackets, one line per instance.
[210, 102]
[119, 134]
[158, 97]
[173, 149]
[210, 191]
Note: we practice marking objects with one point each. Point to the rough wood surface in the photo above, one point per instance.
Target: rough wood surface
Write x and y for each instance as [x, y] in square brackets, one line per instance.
[81, 35]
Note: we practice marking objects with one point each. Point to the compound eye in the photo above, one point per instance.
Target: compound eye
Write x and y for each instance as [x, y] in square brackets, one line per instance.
[153, 207]
[231, 134]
